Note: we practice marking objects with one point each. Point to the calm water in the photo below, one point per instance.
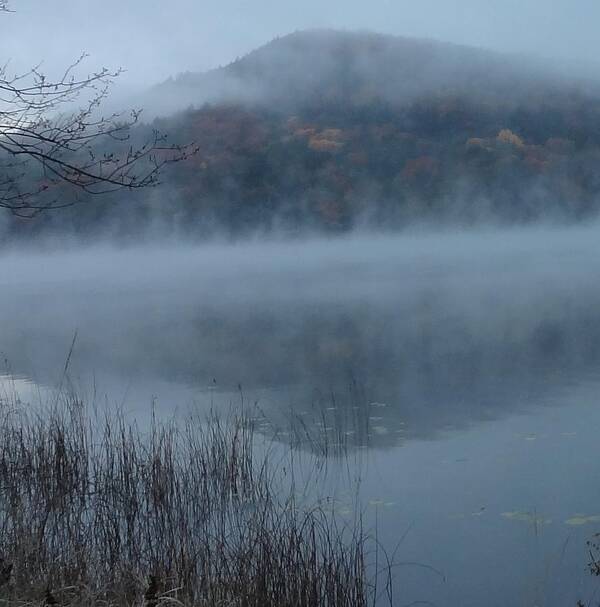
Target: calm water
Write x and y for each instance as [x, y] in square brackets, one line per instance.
[462, 372]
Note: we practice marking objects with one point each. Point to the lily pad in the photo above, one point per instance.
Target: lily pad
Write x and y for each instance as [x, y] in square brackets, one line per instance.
[582, 519]
[526, 517]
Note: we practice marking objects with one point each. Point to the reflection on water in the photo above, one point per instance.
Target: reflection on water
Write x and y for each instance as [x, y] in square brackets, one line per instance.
[16, 391]
[485, 345]
[499, 508]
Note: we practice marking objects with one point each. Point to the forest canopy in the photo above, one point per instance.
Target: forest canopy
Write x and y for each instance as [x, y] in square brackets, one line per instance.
[472, 136]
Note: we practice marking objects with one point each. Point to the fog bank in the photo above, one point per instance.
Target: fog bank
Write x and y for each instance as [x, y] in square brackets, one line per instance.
[439, 326]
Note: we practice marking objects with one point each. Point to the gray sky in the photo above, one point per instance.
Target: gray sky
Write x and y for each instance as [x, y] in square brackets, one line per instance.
[153, 40]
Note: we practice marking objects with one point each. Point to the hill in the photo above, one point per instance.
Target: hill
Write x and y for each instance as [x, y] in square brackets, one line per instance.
[334, 130]
[317, 67]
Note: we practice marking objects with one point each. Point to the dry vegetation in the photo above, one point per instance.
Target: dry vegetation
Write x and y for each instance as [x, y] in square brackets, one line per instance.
[95, 511]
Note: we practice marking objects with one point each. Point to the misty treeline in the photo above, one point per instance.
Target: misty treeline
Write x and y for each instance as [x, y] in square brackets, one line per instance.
[379, 132]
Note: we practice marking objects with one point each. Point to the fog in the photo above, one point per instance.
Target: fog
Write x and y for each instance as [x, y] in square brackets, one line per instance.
[294, 71]
[445, 328]
[153, 42]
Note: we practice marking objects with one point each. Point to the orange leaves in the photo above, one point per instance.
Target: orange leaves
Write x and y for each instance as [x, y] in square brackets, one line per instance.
[320, 144]
[508, 137]
[320, 140]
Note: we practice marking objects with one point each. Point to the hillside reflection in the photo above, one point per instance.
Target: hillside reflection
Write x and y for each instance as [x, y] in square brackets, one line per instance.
[377, 339]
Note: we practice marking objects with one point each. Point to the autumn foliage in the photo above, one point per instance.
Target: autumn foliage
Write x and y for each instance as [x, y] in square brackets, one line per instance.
[342, 151]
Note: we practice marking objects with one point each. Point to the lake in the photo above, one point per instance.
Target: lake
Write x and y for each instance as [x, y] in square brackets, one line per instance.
[452, 376]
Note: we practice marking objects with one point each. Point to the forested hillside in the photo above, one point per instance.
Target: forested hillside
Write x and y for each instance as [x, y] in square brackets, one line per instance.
[333, 131]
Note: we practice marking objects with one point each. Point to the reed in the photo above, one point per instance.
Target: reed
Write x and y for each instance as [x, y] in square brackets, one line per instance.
[96, 511]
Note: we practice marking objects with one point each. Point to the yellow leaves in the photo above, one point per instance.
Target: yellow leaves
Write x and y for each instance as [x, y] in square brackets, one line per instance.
[328, 140]
[507, 136]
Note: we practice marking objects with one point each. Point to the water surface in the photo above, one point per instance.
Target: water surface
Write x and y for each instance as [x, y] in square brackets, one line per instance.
[462, 368]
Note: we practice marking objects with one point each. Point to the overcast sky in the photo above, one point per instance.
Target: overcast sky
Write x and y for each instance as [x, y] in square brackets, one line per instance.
[153, 40]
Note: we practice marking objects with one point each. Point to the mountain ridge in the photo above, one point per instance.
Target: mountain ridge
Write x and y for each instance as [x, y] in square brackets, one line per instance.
[362, 139]
[297, 68]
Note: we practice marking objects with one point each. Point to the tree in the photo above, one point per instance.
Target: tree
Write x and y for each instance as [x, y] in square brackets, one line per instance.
[55, 145]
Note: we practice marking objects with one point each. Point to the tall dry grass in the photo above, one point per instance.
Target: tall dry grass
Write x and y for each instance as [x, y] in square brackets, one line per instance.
[95, 511]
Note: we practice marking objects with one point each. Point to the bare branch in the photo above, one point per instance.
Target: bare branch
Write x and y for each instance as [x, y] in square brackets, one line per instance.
[50, 151]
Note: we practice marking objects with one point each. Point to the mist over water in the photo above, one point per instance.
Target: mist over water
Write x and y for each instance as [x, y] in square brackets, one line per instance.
[485, 343]
[408, 316]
